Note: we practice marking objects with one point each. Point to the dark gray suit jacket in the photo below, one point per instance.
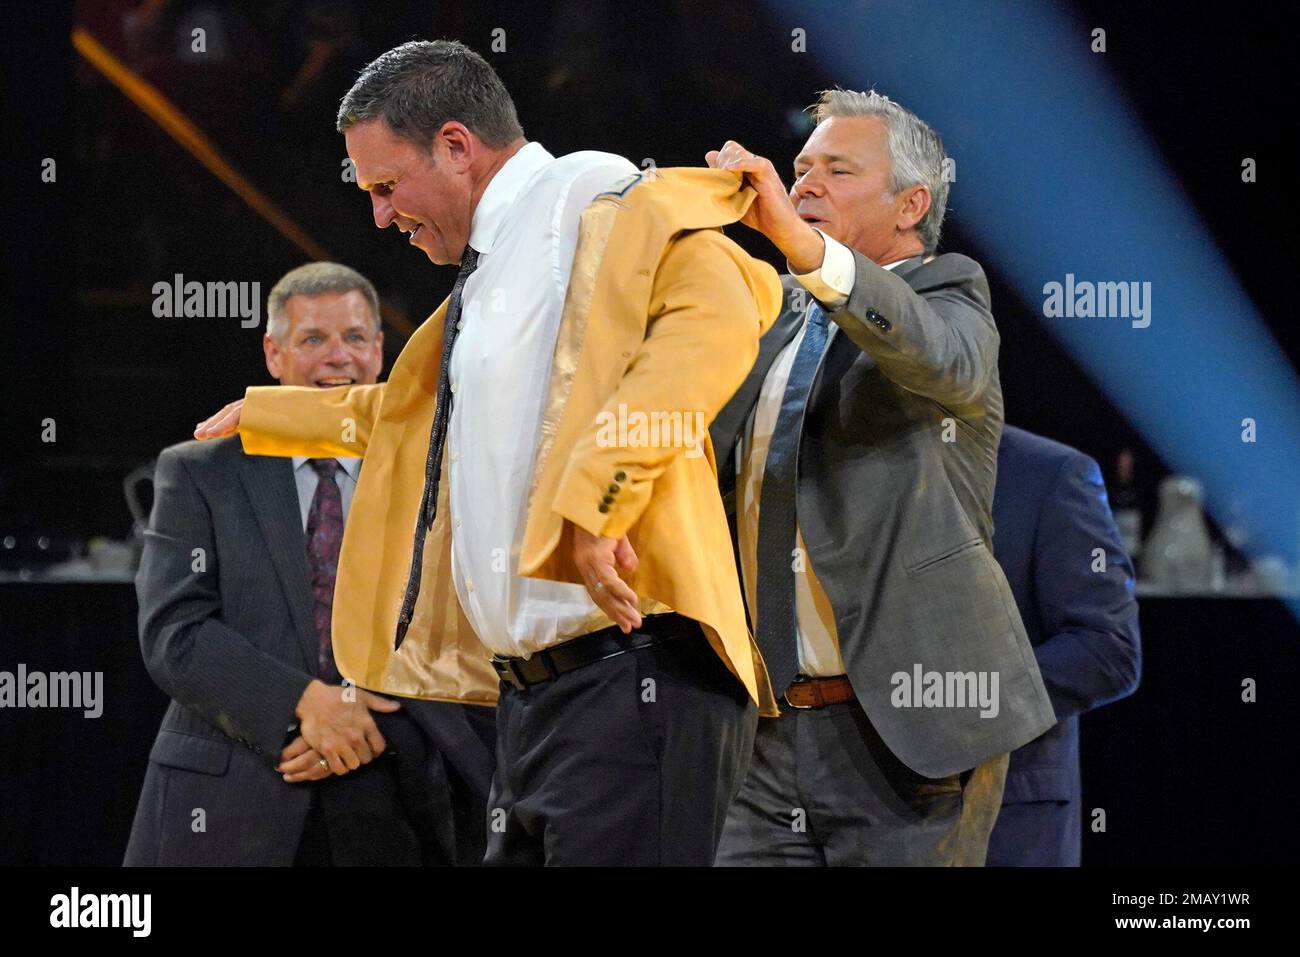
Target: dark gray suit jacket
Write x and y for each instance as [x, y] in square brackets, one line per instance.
[227, 631]
[898, 521]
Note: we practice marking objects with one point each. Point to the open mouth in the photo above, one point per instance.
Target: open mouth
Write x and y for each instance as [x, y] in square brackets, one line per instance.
[810, 219]
[414, 232]
[331, 382]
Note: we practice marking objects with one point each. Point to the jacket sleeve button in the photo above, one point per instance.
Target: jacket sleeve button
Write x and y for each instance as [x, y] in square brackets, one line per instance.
[620, 476]
[603, 508]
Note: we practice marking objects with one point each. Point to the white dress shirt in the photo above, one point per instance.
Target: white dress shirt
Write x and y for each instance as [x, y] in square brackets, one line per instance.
[525, 230]
[306, 478]
[819, 648]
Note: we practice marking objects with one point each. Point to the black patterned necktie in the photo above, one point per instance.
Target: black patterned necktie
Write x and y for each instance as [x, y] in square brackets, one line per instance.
[777, 625]
[324, 536]
[452, 325]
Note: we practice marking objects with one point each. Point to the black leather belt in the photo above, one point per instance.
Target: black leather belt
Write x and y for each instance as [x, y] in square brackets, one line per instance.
[524, 673]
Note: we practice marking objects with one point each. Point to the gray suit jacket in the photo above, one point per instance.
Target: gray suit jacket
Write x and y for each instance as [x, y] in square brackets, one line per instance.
[227, 631]
[898, 521]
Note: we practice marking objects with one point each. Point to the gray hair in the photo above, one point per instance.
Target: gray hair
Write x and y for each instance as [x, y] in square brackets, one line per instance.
[315, 279]
[915, 151]
[417, 87]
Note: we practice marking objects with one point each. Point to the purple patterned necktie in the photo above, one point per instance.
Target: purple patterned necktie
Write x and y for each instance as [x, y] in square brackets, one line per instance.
[324, 536]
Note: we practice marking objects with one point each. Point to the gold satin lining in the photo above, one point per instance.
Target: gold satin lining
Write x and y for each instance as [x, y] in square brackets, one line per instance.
[463, 661]
[594, 228]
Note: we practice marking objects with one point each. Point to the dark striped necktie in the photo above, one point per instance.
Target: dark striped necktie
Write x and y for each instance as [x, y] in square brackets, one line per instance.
[452, 325]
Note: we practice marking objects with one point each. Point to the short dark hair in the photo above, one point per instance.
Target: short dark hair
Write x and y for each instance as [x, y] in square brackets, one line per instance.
[417, 87]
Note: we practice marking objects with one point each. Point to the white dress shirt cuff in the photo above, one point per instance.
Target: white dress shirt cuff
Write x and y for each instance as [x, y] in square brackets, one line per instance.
[832, 283]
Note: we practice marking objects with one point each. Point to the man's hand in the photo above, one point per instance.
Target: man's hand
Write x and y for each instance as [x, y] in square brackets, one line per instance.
[339, 730]
[225, 422]
[299, 761]
[772, 213]
[598, 560]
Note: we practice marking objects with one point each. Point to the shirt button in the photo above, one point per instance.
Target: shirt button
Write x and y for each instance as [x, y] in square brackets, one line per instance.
[453, 387]
[455, 456]
[460, 323]
[469, 586]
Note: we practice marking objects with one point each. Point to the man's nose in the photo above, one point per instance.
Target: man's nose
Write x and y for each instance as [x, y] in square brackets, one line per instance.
[383, 210]
[805, 186]
[337, 353]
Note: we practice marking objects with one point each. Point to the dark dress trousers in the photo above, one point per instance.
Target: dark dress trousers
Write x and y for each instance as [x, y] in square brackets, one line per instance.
[629, 761]
[1050, 514]
[226, 630]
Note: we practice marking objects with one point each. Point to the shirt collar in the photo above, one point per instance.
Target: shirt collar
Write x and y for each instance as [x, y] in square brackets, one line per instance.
[350, 465]
[501, 193]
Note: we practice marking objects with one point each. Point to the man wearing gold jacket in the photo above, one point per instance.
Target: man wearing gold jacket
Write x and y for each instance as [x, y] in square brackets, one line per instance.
[539, 516]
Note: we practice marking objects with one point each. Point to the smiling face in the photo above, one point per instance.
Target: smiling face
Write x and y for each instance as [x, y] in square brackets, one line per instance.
[428, 194]
[841, 186]
[331, 341]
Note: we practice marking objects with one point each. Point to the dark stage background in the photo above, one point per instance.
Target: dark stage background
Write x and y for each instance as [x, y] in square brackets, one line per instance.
[665, 81]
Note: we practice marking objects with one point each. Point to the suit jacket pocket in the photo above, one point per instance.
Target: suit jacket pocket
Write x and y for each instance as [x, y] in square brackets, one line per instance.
[925, 564]
[1027, 785]
[176, 749]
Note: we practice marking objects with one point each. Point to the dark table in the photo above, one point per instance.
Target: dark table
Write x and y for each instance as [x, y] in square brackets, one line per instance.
[70, 783]
[1187, 772]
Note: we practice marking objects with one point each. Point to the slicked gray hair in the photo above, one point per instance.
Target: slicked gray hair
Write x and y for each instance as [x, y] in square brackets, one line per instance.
[417, 87]
[915, 151]
[315, 279]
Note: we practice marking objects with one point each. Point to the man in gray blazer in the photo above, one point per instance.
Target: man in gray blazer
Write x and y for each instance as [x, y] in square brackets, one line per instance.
[235, 589]
[862, 450]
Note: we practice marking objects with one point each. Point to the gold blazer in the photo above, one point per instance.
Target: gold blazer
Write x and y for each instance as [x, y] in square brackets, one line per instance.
[662, 318]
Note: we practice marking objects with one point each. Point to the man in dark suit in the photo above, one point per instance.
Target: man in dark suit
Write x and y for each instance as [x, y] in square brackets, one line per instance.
[863, 445]
[1058, 545]
[235, 588]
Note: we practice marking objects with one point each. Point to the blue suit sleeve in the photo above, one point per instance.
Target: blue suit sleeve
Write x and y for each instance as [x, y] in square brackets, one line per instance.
[1093, 654]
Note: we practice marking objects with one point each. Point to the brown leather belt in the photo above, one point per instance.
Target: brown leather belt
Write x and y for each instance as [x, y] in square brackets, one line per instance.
[805, 692]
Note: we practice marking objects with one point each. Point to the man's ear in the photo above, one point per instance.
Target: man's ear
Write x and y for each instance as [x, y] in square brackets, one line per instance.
[458, 143]
[274, 359]
[915, 205]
